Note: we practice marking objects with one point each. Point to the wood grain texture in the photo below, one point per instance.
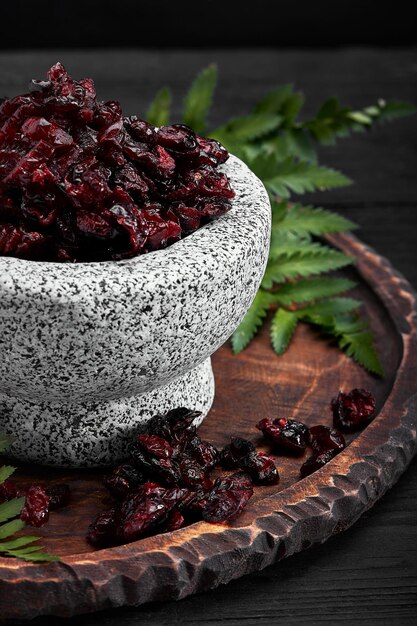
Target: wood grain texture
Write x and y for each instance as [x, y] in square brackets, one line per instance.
[279, 521]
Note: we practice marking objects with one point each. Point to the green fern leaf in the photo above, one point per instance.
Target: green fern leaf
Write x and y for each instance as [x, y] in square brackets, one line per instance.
[298, 144]
[11, 508]
[303, 220]
[34, 556]
[198, 100]
[302, 265]
[5, 472]
[312, 289]
[323, 311]
[289, 246]
[283, 327]
[301, 177]
[247, 128]
[274, 100]
[17, 543]
[393, 110]
[360, 347]
[159, 109]
[252, 321]
[10, 528]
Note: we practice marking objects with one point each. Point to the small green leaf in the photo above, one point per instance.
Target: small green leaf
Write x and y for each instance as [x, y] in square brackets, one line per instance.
[159, 110]
[199, 98]
[394, 110]
[247, 127]
[289, 246]
[303, 265]
[299, 144]
[253, 319]
[360, 347]
[10, 528]
[291, 107]
[5, 442]
[11, 508]
[5, 472]
[312, 289]
[283, 327]
[17, 543]
[303, 177]
[320, 312]
[273, 101]
[33, 557]
[360, 118]
[307, 220]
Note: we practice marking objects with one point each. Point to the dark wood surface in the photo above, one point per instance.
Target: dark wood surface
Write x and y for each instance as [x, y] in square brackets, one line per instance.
[367, 575]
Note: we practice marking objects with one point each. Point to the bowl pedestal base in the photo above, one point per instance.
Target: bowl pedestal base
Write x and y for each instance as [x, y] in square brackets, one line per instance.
[94, 434]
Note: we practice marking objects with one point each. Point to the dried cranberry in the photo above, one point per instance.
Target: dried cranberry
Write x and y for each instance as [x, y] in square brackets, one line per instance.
[7, 491]
[177, 137]
[174, 521]
[192, 503]
[353, 410]
[206, 455]
[324, 438]
[151, 455]
[59, 496]
[228, 497]
[35, 511]
[102, 530]
[261, 468]
[146, 516]
[192, 474]
[231, 454]
[122, 480]
[174, 424]
[316, 461]
[286, 433]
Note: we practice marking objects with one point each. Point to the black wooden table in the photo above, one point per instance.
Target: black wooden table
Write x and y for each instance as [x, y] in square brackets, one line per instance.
[367, 575]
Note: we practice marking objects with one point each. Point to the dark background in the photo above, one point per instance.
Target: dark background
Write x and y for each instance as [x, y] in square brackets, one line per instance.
[185, 23]
[367, 575]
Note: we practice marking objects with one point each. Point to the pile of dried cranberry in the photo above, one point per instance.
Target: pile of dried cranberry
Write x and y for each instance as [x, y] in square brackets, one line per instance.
[80, 182]
[167, 481]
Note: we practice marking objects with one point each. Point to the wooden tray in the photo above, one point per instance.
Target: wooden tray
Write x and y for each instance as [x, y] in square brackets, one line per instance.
[279, 520]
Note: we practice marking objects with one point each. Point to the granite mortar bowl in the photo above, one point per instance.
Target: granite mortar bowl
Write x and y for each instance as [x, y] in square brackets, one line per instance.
[89, 351]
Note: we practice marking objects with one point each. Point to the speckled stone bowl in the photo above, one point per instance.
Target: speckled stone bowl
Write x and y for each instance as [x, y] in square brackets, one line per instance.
[89, 351]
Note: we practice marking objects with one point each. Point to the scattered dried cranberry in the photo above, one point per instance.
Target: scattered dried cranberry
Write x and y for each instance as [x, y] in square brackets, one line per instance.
[316, 461]
[324, 438]
[80, 182]
[232, 454]
[353, 410]
[35, 511]
[261, 468]
[102, 530]
[59, 496]
[285, 433]
[8, 491]
[229, 496]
